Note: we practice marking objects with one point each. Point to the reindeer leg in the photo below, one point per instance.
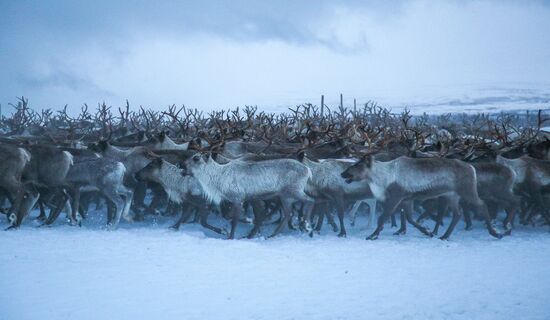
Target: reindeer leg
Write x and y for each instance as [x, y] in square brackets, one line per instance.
[389, 208]
[403, 229]
[439, 221]
[456, 216]
[42, 216]
[235, 215]
[511, 210]
[185, 214]
[341, 211]
[128, 196]
[203, 213]
[320, 220]
[353, 212]
[286, 211]
[372, 212]
[330, 220]
[259, 216]
[485, 213]
[467, 219]
[56, 209]
[408, 215]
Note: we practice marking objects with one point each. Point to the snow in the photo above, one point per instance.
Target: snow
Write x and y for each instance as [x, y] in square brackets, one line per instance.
[145, 271]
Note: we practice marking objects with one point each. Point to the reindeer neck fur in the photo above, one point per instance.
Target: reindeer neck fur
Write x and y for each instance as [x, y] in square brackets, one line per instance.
[208, 175]
[172, 181]
[381, 175]
[326, 174]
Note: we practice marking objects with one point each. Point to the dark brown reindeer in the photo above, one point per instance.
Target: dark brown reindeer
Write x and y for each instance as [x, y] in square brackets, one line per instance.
[46, 171]
[406, 178]
[13, 161]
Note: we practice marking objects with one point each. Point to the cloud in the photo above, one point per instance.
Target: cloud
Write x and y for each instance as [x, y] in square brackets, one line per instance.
[274, 54]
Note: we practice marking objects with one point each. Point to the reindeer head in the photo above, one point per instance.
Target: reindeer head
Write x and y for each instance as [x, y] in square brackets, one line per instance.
[151, 171]
[99, 146]
[191, 165]
[359, 171]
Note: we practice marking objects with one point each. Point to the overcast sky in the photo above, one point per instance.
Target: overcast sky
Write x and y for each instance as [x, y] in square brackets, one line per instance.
[211, 54]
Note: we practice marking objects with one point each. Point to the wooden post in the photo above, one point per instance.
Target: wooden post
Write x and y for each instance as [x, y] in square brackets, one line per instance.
[322, 105]
[354, 107]
[341, 101]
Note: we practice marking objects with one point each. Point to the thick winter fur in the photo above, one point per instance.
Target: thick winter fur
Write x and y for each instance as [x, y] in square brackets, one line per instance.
[13, 161]
[178, 187]
[238, 181]
[182, 189]
[532, 176]
[406, 178]
[105, 176]
[46, 170]
[326, 183]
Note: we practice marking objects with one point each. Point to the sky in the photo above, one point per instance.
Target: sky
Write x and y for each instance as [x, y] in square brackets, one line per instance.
[274, 54]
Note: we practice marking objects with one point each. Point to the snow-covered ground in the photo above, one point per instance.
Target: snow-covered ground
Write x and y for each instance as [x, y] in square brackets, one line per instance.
[145, 271]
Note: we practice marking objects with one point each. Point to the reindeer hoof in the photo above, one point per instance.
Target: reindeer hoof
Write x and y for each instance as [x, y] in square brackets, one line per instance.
[372, 237]
[224, 232]
[342, 235]
[468, 228]
[399, 232]
[444, 238]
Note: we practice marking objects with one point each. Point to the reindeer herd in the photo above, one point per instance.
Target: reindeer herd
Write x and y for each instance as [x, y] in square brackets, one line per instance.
[293, 170]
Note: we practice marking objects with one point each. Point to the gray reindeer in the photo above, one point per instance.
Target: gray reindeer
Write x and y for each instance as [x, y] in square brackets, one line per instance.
[238, 181]
[404, 179]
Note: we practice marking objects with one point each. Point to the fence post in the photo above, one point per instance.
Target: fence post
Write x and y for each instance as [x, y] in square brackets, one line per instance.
[322, 106]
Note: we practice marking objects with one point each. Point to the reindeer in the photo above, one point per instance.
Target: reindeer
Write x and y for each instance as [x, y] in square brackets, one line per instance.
[532, 176]
[46, 171]
[101, 175]
[182, 189]
[237, 182]
[134, 159]
[22, 197]
[406, 178]
[326, 183]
